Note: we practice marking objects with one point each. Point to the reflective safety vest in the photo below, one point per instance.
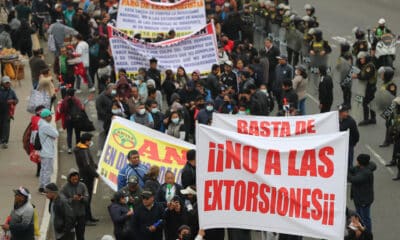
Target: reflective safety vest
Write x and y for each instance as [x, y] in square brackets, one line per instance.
[318, 46]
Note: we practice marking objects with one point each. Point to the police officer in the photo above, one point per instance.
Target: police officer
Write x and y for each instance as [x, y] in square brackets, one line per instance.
[310, 11]
[344, 65]
[247, 24]
[367, 74]
[388, 85]
[318, 45]
[396, 140]
[361, 43]
[381, 29]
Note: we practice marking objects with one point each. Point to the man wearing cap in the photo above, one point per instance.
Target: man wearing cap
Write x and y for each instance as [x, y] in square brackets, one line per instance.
[133, 168]
[361, 178]
[149, 218]
[87, 168]
[133, 191]
[8, 100]
[229, 78]
[283, 72]
[154, 73]
[62, 218]
[347, 122]
[190, 205]
[21, 217]
[48, 135]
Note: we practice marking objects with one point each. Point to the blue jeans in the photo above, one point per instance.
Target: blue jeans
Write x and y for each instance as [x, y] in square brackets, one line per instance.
[365, 214]
[302, 106]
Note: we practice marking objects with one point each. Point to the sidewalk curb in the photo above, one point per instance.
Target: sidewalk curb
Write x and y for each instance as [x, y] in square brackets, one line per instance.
[44, 226]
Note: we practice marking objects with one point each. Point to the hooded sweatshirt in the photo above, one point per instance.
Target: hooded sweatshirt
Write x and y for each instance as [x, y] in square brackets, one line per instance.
[69, 190]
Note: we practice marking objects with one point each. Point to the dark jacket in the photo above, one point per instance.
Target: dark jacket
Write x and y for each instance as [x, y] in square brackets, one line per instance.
[204, 116]
[21, 223]
[188, 175]
[325, 91]
[84, 160]
[64, 220]
[212, 84]
[69, 190]
[144, 218]
[350, 123]
[5, 95]
[173, 220]
[291, 97]
[36, 64]
[103, 106]
[152, 184]
[259, 104]
[163, 190]
[362, 184]
[119, 218]
[155, 74]
[271, 55]
[282, 73]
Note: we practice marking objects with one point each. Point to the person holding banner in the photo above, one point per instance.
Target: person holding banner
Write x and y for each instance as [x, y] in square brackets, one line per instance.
[133, 168]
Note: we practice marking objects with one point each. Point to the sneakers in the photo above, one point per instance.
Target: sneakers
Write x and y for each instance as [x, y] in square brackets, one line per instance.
[78, 91]
[93, 89]
[69, 151]
[98, 153]
[5, 145]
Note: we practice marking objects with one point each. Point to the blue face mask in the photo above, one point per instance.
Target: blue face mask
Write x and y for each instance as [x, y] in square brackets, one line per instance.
[175, 120]
[210, 108]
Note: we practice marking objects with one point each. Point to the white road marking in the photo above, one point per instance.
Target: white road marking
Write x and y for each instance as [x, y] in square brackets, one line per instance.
[339, 39]
[380, 159]
[313, 98]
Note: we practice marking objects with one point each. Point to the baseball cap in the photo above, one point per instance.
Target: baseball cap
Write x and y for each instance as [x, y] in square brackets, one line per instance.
[147, 193]
[133, 180]
[188, 190]
[5, 79]
[45, 113]
[22, 191]
[282, 56]
[51, 187]
[229, 63]
[343, 108]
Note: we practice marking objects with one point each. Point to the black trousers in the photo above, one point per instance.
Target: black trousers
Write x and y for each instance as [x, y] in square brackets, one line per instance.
[347, 96]
[80, 227]
[88, 181]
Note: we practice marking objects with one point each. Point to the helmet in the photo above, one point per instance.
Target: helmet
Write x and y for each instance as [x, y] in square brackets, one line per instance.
[344, 46]
[309, 7]
[362, 54]
[281, 6]
[311, 31]
[318, 34]
[381, 21]
[306, 18]
[359, 33]
[388, 74]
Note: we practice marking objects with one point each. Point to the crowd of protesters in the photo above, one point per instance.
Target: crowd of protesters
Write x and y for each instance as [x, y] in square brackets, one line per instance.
[245, 81]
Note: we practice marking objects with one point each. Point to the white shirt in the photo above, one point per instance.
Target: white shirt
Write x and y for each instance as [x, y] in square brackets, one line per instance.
[83, 49]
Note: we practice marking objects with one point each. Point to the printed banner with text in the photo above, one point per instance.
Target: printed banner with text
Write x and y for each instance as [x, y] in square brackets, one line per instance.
[277, 126]
[151, 18]
[155, 148]
[197, 51]
[288, 185]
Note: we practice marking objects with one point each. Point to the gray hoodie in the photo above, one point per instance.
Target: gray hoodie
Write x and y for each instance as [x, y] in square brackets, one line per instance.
[69, 190]
[48, 135]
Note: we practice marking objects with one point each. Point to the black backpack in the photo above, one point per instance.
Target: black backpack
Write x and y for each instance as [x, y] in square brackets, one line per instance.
[37, 145]
[75, 112]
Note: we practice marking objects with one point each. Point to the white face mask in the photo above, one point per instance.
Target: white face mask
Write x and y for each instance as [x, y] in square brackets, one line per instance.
[210, 108]
[155, 110]
[175, 120]
[113, 92]
[263, 90]
[242, 112]
[142, 111]
[116, 111]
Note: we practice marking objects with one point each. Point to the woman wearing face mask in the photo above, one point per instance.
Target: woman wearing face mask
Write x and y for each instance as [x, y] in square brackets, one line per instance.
[176, 126]
[87, 168]
[300, 82]
[121, 216]
[228, 107]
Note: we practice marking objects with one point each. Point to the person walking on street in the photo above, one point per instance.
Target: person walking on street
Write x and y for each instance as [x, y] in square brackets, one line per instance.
[361, 178]
[62, 217]
[347, 122]
[21, 223]
[133, 168]
[104, 104]
[77, 196]
[325, 90]
[8, 100]
[87, 169]
[82, 48]
[47, 135]
[70, 106]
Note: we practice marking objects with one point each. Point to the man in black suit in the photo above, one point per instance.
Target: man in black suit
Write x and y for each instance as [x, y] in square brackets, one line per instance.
[271, 52]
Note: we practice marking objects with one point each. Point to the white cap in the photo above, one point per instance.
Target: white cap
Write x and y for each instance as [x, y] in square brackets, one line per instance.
[188, 190]
[382, 21]
[229, 63]
[6, 79]
[307, 6]
[362, 54]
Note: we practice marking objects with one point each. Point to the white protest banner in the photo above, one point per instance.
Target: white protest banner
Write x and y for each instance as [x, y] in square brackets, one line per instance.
[155, 148]
[197, 51]
[151, 18]
[278, 126]
[288, 185]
